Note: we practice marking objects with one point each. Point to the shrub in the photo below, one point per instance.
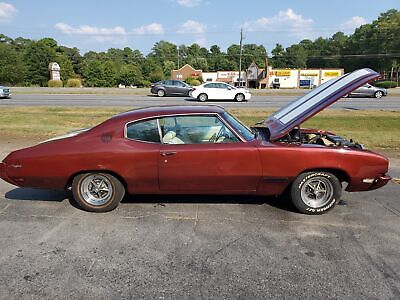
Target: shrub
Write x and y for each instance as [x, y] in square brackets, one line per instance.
[193, 81]
[145, 83]
[386, 84]
[74, 82]
[54, 83]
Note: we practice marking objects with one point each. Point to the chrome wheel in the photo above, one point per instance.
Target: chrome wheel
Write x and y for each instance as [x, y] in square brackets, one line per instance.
[96, 189]
[317, 192]
[160, 93]
[203, 97]
[378, 94]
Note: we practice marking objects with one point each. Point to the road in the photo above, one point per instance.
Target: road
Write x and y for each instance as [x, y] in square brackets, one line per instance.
[265, 102]
[202, 247]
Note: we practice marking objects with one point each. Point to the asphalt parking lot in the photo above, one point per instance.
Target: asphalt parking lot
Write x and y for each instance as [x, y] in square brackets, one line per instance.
[172, 247]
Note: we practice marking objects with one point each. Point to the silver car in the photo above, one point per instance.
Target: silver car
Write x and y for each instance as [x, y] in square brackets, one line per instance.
[5, 92]
[368, 90]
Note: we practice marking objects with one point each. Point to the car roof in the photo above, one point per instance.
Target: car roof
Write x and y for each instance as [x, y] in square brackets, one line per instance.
[155, 111]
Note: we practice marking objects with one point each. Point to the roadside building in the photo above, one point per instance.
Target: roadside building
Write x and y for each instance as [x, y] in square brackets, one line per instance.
[261, 78]
[185, 72]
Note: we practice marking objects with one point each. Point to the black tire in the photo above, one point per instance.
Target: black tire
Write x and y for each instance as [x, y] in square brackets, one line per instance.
[304, 188]
[160, 93]
[378, 94]
[202, 97]
[116, 195]
[240, 97]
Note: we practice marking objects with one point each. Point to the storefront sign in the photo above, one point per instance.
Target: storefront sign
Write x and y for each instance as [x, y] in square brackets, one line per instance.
[282, 72]
[332, 74]
[308, 74]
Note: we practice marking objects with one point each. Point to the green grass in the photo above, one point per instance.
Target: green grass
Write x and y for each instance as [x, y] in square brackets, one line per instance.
[375, 129]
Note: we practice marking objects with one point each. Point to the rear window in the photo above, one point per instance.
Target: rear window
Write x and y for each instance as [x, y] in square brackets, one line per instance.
[145, 131]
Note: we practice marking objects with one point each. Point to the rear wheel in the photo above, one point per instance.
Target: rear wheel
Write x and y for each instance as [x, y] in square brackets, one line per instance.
[239, 97]
[316, 192]
[160, 93]
[378, 94]
[202, 97]
[97, 192]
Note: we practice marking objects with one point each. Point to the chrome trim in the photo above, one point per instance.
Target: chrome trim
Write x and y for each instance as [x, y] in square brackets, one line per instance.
[159, 130]
[368, 180]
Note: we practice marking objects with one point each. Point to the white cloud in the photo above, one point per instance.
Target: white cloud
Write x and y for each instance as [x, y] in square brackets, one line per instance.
[188, 3]
[7, 12]
[350, 25]
[91, 30]
[196, 30]
[153, 28]
[192, 27]
[286, 21]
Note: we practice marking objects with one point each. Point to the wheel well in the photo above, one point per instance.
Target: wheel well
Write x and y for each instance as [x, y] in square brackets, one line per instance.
[340, 174]
[116, 175]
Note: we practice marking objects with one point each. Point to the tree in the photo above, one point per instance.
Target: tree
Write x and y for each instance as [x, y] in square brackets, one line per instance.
[278, 57]
[130, 75]
[99, 73]
[37, 56]
[12, 68]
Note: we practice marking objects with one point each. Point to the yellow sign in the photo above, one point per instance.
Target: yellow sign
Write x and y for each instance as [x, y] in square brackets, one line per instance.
[332, 74]
[282, 72]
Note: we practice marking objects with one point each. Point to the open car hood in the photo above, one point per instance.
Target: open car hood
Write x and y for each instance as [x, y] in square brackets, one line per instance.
[295, 113]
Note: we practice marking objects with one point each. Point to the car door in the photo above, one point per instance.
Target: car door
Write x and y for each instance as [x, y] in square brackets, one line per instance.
[229, 91]
[170, 87]
[140, 153]
[181, 88]
[196, 158]
[211, 89]
[363, 91]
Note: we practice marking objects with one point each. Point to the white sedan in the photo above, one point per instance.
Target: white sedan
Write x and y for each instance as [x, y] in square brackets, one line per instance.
[220, 91]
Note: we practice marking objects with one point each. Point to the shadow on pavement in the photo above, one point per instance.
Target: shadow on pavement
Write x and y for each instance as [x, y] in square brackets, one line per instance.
[282, 202]
[28, 194]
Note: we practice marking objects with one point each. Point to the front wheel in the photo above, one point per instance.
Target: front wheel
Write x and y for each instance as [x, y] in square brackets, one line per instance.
[97, 192]
[239, 97]
[378, 94]
[316, 192]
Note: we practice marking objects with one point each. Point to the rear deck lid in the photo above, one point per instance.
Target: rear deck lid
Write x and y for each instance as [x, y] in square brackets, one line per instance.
[297, 112]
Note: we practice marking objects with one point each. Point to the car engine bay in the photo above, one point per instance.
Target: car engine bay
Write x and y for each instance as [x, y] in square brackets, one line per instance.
[309, 136]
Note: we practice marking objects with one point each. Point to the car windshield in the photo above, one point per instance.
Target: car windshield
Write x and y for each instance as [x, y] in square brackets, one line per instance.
[243, 130]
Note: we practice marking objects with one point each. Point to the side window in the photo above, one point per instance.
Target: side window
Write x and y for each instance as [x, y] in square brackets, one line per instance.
[208, 85]
[168, 82]
[195, 129]
[146, 131]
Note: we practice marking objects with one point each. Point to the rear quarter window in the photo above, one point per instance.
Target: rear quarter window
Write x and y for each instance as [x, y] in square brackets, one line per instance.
[145, 131]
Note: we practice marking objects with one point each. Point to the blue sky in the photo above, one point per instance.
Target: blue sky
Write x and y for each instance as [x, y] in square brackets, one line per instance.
[99, 25]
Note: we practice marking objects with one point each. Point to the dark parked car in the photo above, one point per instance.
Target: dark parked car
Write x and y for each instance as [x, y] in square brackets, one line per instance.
[170, 87]
[5, 92]
[368, 90]
[205, 150]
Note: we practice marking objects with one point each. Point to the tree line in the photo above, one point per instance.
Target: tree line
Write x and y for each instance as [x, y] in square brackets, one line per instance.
[25, 62]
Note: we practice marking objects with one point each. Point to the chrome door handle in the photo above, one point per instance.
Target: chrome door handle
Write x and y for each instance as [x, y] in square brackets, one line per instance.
[165, 153]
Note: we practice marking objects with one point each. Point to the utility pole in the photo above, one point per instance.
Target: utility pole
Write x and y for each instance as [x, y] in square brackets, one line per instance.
[178, 57]
[240, 57]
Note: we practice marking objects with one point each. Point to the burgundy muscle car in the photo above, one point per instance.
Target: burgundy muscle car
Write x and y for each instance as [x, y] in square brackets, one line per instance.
[205, 150]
